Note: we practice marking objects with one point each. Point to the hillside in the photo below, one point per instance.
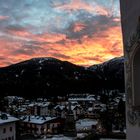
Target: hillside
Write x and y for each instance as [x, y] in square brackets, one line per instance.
[50, 76]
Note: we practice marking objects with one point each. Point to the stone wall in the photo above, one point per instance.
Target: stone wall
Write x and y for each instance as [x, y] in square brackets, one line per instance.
[130, 18]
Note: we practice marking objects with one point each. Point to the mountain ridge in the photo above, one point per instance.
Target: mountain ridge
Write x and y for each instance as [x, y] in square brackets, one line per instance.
[49, 76]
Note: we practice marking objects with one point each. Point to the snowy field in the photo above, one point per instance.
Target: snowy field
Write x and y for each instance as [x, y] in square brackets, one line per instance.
[56, 137]
[85, 124]
[62, 137]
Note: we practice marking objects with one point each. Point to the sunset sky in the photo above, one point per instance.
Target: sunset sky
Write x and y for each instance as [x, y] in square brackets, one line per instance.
[84, 32]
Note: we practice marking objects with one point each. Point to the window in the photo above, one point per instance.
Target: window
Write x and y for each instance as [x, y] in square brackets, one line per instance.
[11, 129]
[9, 138]
[42, 128]
[4, 130]
[48, 126]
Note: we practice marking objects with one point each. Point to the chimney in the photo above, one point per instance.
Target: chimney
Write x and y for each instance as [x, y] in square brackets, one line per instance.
[29, 118]
[69, 106]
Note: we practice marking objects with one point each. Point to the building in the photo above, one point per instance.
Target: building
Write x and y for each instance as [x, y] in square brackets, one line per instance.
[69, 128]
[130, 18]
[77, 111]
[7, 127]
[38, 108]
[60, 111]
[14, 99]
[37, 125]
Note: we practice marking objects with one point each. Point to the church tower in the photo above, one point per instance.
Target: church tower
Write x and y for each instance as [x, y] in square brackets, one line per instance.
[69, 129]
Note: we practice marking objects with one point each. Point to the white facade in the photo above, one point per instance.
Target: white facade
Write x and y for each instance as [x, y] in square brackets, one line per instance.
[7, 127]
[8, 131]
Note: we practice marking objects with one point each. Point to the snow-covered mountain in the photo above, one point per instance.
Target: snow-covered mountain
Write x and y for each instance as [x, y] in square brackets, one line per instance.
[50, 76]
[111, 72]
[113, 68]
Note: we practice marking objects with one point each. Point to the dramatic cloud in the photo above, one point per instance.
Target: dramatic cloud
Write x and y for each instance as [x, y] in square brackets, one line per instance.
[75, 5]
[84, 32]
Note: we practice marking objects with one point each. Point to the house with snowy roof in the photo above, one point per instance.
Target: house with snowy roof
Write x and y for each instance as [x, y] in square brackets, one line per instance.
[38, 108]
[60, 111]
[7, 127]
[40, 125]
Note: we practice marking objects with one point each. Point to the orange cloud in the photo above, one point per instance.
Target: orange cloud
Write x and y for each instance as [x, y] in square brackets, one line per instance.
[95, 49]
[89, 35]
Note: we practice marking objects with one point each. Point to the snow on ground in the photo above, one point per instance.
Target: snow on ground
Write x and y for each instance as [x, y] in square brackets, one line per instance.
[81, 135]
[58, 137]
[85, 124]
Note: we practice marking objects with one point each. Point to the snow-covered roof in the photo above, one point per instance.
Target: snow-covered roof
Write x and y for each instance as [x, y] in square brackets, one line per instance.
[41, 104]
[31, 105]
[90, 96]
[14, 97]
[90, 109]
[21, 109]
[59, 106]
[81, 99]
[7, 119]
[74, 102]
[36, 119]
[75, 106]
